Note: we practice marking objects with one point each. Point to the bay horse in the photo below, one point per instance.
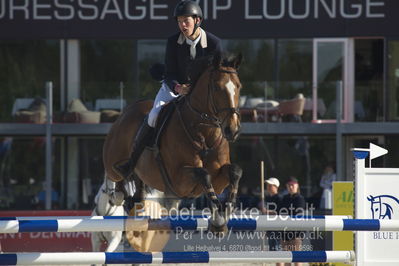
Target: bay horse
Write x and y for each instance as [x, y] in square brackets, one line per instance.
[193, 155]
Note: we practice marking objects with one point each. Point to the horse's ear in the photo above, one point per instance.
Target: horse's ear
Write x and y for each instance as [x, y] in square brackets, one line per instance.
[237, 61]
[217, 60]
[370, 198]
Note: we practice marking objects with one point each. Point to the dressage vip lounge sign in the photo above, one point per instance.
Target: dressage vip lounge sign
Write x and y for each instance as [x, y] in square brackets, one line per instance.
[112, 19]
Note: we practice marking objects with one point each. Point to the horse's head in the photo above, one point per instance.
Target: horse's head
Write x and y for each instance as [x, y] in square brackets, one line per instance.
[224, 94]
[216, 92]
[227, 86]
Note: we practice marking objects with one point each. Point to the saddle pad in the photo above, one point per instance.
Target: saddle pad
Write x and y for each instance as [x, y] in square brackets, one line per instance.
[164, 116]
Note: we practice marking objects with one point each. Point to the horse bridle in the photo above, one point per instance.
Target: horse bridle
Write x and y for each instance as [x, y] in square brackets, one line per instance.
[213, 118]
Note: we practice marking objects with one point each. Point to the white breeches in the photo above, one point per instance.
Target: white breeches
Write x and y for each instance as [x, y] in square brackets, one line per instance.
[164, 96]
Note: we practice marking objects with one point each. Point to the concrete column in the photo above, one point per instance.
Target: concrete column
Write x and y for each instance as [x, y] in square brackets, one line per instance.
[70, 89]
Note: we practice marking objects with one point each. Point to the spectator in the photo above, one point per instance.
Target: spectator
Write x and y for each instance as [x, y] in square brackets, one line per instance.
[270, 207]
[273, 198]
[293, 204]
[326, 181]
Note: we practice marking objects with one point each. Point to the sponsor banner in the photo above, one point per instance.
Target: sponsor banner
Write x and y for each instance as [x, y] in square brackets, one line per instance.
[343, 203]
[112, 19]
[45, 241]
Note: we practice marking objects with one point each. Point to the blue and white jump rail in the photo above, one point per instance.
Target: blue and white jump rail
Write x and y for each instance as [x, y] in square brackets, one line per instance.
[175, 257]
[260, 223]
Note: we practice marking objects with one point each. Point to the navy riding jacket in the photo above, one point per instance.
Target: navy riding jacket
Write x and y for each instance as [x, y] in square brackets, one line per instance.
[177, 56]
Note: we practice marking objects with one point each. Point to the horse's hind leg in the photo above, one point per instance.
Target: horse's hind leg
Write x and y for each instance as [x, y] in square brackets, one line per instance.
[218, 222]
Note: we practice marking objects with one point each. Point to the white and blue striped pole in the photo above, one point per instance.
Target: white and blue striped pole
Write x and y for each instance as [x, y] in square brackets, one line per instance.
[174, 257]
[190, 223]
[238, 216]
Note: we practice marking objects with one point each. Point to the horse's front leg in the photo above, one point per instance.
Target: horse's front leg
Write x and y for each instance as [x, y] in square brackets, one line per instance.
[234, 172]
[218, 222]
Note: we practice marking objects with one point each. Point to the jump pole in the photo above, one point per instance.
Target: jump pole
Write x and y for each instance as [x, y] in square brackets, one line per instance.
[175, 257]
[196, 224]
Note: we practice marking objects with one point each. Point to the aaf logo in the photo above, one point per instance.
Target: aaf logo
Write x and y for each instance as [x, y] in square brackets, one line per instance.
[384, 207]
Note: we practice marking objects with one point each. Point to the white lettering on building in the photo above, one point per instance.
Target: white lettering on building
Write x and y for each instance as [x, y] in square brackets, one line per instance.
[23, 7]
[372, 3]
[354, 7]
[330, 10]
[90, 10]
[298, 16]
[306, 9]
[36, 9]
[154, 6]
[142, 9]
[270, 16]
[216, 8]
[68, 12]
[111, 10]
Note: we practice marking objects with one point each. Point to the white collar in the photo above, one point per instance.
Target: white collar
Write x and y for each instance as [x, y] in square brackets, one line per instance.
[193, 42]
[202, 40]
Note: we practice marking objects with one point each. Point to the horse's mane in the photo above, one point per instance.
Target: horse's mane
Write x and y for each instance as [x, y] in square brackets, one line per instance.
[199, 65]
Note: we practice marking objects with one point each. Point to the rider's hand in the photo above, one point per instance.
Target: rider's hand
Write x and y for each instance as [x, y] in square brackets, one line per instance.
[182, 89]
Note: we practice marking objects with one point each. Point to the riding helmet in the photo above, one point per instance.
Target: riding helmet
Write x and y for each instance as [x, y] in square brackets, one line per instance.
[187, 8]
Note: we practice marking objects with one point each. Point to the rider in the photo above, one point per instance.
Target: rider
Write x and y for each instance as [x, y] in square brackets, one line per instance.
[182, 48]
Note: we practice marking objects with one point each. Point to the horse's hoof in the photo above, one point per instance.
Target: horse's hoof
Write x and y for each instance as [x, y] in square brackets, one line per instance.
[117, 198]
[218, 224]
[220, 231]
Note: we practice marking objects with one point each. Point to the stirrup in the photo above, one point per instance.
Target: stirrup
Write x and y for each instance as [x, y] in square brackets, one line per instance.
[122, 168]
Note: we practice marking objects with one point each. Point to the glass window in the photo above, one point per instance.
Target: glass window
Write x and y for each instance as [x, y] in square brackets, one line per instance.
[393, 80]
[256, 71]
[369, 67]
[25, 66]
[104, 65]
[77, 172]
[294, 68]
[149, 52]
[22, 173]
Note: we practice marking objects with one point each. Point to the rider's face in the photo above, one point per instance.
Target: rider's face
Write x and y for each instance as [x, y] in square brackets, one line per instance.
[186, 25]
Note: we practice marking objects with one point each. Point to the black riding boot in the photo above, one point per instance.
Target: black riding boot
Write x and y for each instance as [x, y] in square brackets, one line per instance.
[140, 142]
